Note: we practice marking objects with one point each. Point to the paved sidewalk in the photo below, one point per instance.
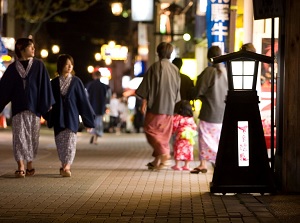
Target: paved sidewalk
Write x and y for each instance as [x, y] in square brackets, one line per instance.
[110, 183]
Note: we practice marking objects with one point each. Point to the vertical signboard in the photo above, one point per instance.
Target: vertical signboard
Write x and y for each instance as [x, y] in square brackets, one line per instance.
[243, 143]
[217, 23]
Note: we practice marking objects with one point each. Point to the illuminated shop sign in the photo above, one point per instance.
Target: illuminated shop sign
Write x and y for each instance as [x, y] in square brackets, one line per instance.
[116, 52]
[217, 22]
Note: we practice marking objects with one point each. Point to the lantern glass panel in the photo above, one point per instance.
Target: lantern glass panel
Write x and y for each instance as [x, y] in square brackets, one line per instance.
[242, 74]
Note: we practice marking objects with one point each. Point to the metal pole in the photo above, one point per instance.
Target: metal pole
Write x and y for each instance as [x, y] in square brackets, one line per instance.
[272, 96]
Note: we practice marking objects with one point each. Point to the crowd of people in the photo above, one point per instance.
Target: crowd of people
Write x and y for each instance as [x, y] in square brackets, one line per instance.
[163, 109]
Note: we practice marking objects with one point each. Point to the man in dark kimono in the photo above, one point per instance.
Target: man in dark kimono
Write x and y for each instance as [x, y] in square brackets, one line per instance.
[99, 95]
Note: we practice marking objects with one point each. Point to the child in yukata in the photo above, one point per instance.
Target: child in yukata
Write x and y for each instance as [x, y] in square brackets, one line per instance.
[184, 128]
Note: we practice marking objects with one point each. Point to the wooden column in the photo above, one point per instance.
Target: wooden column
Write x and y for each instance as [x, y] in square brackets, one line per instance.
[291, 99]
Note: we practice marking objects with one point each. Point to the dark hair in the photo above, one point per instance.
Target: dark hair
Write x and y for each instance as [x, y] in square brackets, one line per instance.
[185, 109]
[61, 62]
[248, 47]
[21, 45]
[97, 74]
[164, 50]
[214, 51]
[177, 62]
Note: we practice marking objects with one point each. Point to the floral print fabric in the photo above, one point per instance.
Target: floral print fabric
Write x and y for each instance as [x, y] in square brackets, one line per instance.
[66, 146]
[26, 132]
[183, 149]
[208, 139]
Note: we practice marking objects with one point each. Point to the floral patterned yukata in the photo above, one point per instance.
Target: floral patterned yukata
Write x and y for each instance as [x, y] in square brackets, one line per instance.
[184, 129]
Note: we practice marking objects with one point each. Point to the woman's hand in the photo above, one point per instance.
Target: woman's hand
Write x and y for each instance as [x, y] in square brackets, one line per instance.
[144, 106]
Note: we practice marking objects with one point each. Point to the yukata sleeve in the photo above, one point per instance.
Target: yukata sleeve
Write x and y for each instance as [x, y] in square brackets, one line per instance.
[204, 81]
[84, 107]
[6, 88]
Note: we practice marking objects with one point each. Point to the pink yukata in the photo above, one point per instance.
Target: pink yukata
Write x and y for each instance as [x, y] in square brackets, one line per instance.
[184, 129]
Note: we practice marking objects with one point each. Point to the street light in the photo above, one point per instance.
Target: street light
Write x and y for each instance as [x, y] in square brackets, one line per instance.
[97, 56]
[44, 53]
[242, 164]
[55, 49]
[186, 37]
[116, 8]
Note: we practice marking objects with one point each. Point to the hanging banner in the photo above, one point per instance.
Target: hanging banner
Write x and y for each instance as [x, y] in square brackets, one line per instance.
[217, 23]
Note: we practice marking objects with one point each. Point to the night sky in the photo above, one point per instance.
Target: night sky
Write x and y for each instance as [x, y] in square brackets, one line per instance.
[85, 32]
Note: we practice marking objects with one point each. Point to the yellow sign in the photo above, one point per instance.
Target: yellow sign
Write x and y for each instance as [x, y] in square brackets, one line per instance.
[116, 52]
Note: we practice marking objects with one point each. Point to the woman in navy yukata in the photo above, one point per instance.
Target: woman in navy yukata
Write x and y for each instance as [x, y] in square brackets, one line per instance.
[26, 84]
[71, 101]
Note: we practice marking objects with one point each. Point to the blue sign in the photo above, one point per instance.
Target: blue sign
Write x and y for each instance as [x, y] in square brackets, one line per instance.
[3, 50]
[217, 23]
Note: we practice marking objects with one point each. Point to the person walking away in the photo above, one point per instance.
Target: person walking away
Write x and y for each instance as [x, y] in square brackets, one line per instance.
[71, 101]
[124, 113]
[211, 89]
[26, 84]
[113, 113]
[138, 120]
[184, 129]
[99, 95]
[186, 84]
[160, 90]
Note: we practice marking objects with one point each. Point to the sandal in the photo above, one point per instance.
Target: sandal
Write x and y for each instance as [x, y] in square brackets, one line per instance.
[197, 170]
[150, 166]
[66, 173]
[176, 168]
[185, 168]
[30, 172]
[20, 173]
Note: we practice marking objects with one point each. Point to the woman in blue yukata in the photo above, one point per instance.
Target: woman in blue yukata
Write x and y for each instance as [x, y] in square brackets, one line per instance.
[71, 101]
[26, 84]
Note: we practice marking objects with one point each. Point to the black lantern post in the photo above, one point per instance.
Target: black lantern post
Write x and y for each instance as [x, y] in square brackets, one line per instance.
[242, 164]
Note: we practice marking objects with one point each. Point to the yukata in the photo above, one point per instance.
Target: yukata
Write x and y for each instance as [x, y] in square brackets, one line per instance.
[99, 94]
[161, 88]
[211, 88]
[71, 101]
[26, 85]
[185, 129]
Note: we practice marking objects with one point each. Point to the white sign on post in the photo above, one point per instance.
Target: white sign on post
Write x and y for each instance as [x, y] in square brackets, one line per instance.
[243, 143]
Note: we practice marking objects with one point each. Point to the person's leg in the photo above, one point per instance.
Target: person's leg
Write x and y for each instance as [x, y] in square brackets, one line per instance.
[21, 169]
[176, 166]
[66, 148]
[186, 165]
[35, 125]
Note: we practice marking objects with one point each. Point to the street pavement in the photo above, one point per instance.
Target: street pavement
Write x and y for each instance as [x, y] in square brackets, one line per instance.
[110, 183]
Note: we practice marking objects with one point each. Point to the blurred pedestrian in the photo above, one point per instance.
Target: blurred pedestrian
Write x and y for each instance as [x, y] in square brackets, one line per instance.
[99, 95]
[185, 129]
[114, 113]
[123, 114]
[26, 84]
[248, 47]
[71, 101]
[211, 89]
[186, 84]
[160, 90]
[138, 120]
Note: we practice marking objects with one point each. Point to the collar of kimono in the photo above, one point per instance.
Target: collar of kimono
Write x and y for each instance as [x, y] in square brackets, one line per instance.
[23, 73]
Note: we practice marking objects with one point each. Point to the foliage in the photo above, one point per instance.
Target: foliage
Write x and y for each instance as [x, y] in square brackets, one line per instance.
[33, 13]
